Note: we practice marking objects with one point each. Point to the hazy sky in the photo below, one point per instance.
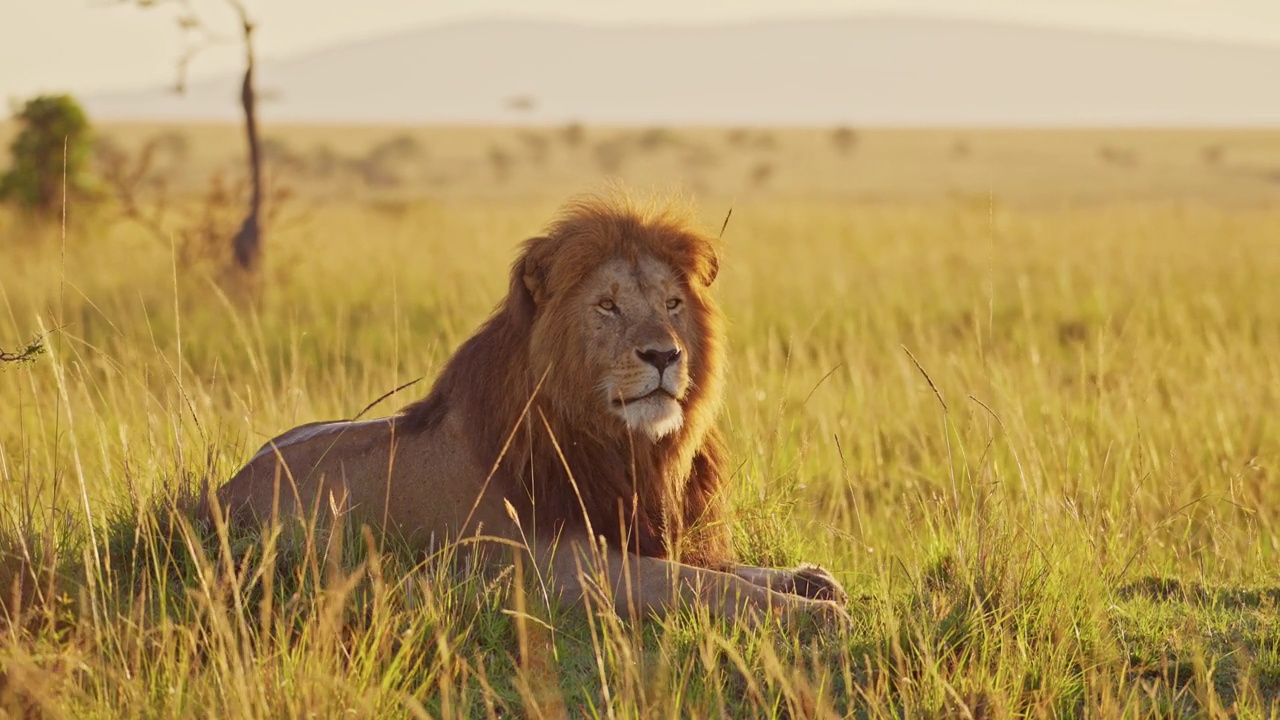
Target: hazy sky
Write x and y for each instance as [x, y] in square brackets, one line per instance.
[91, 45]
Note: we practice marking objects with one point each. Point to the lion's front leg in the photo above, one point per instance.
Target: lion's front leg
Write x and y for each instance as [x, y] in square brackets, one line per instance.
[809, 581]
[640, 586]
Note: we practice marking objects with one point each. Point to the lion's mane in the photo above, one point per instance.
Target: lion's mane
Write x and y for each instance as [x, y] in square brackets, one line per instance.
[548, 449]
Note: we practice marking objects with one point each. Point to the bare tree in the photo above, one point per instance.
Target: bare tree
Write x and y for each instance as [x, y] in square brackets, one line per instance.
[199, 35]
[248, 241]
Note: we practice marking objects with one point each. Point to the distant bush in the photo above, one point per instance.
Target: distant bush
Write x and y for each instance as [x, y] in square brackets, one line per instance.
[323, 162]
[1120, 157]
[398, 147]
[610, 154]
[845, 139]
[746, 138]
[387, 164]
[573, 134]
[1213, 154]
[52, 144]
[277, 153]
[537, 145]
[522, 103]
[501, 161]
[699, 157]
[656, 138]
[761, 174]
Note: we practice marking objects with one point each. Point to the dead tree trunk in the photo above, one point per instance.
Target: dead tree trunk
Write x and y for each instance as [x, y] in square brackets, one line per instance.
[248, 241]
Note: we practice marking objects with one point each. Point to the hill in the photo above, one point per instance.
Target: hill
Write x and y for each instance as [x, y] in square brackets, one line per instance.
[866, 71]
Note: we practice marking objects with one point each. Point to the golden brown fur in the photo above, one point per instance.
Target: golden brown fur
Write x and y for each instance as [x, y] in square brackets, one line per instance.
[587, 402]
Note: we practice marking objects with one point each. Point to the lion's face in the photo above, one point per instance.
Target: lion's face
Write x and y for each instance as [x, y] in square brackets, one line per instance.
[623, 332]
[635, 329]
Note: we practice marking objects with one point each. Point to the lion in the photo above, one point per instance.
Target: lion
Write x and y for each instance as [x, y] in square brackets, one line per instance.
[578, 423]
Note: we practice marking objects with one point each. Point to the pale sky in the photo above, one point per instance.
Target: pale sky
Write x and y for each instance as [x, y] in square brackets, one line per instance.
[86, 46]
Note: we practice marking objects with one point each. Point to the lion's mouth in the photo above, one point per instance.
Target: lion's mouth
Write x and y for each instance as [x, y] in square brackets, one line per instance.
[620, 402]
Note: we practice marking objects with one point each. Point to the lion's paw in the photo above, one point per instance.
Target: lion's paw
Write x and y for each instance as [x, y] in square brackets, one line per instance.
[816, 583]
[818, 615]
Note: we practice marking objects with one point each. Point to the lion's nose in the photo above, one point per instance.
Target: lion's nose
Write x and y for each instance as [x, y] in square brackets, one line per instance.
[661, 359]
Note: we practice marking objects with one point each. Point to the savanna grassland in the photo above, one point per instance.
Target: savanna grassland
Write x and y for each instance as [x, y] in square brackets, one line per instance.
[1020, 391]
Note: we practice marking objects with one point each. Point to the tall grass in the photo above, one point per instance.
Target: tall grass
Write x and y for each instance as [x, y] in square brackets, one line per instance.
[1038, 446]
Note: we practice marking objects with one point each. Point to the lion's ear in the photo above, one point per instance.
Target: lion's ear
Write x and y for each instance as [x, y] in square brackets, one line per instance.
[534, 280]
[704, 266]
[528, 275]
[712, 268]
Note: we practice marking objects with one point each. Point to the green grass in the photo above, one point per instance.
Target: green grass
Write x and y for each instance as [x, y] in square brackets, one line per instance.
[1074, 513]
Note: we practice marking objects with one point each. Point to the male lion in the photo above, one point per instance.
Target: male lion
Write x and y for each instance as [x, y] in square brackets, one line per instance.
[583, 408]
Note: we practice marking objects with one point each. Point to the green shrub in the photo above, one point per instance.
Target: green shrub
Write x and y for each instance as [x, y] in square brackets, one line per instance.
[52, 144]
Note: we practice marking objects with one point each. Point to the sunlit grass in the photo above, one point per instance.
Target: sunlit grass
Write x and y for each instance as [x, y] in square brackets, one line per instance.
[1038, 446]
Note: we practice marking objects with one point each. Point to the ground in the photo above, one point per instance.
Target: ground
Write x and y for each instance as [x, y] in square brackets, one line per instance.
[1018, 390]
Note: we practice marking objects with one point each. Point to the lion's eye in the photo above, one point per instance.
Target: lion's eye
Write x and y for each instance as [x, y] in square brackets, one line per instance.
[673, 303]
[607, 305]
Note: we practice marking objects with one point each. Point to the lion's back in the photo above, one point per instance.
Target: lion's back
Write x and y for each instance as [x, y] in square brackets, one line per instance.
[424, 484]
[297, 466]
